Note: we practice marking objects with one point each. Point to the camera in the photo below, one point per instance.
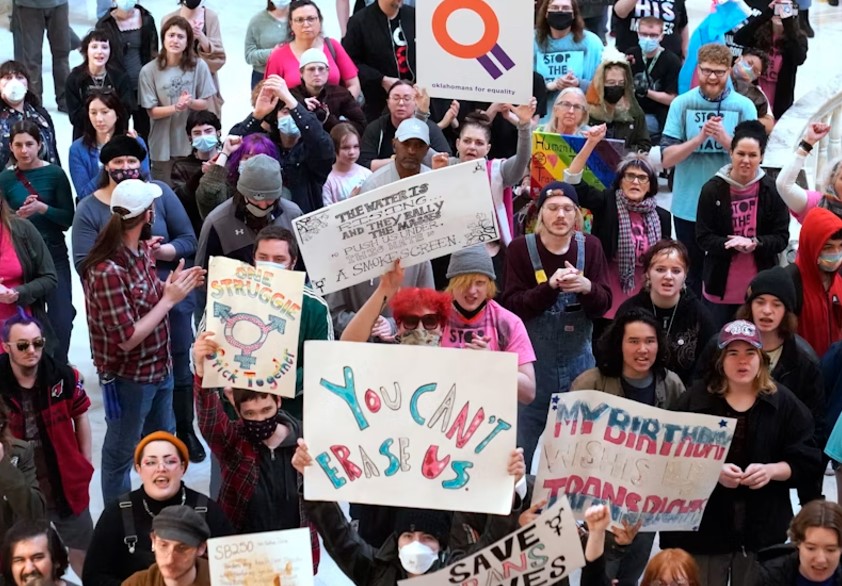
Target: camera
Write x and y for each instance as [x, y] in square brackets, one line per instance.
[641, 84]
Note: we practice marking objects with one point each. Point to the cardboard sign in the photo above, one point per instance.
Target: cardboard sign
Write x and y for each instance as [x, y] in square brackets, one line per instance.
[279, 558]
[416, 219]
[643, 462]
[542, 552]
[256, 314]
[553, 153]
[475, 49]
[413, 426]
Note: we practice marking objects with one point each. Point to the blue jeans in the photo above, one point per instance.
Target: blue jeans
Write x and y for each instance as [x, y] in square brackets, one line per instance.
[60, 310]
[685, 232]
[181, 338]
[146, 407]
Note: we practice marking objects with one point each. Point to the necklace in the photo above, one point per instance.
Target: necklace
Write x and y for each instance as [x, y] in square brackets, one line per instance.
[667, 325]
[146, 505]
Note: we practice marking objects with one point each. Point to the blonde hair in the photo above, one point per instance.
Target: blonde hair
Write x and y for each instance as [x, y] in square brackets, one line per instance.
[578, 223]
[464, 281]
[763, 383]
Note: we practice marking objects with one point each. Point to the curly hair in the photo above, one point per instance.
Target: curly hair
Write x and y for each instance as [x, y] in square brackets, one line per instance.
[407, 302]
[611, 342]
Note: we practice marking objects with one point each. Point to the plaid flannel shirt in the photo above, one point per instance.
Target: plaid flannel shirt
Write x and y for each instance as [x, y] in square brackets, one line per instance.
[118, 293]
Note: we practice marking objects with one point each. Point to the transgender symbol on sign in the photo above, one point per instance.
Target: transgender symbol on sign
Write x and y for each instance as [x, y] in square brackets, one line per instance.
[245, 359]
[480, 50]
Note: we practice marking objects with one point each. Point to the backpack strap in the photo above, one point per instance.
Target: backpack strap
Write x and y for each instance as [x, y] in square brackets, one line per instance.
[331, 49]
[129, 530]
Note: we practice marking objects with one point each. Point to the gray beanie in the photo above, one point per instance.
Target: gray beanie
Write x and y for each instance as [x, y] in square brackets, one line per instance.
[260, 178]
[471, 260]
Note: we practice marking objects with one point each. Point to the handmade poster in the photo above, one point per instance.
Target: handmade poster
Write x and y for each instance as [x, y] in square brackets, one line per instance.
[645, 463]
[279, 558]
[416, 219]
[255, 313]
[475, 49]
[413, 426]
[552, 154]
[543, 552]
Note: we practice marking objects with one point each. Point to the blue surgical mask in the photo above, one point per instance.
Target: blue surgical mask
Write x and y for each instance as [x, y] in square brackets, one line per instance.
[269, 265]
[125, 5]
[287, 126]
[648, 45]
[748, 70]
[206, 142]
[281, 4]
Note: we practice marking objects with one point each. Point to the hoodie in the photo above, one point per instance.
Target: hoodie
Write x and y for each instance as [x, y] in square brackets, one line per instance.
[820, 318]
[715, 223]
[626, 121]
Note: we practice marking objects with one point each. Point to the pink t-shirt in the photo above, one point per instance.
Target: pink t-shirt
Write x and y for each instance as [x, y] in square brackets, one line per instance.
[504, 329]
[743, 267]
[641, 245]
[282, 61]
[11, 272]
[340, 184]
[769, 80]
[813, 199]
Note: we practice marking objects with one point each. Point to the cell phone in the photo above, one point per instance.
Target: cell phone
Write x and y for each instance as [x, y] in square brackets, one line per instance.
[784, 9]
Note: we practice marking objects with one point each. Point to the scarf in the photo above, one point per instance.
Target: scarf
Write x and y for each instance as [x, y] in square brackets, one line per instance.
[832, 204]
[625, 244]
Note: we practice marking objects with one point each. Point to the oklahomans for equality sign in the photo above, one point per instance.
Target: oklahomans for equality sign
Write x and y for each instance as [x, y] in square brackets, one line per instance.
[282, 558]
[553, 153]
[415, 219]
[410, 426]
[475, 49]
[645, 463]
[256, 314]
[543, 552]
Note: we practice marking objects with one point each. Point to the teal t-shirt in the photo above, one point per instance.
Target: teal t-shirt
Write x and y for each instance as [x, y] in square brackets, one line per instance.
[564, 55]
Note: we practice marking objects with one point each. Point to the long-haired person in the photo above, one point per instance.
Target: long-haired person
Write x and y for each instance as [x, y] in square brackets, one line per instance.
[128, 308]
[772, 450]
[569, 113]
[267, 30]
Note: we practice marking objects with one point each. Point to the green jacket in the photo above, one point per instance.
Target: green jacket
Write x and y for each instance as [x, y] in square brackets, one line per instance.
[667, 389]
[20, 496]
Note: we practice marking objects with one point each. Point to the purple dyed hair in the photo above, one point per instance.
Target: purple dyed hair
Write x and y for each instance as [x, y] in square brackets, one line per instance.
[20, 318]
[253, 144]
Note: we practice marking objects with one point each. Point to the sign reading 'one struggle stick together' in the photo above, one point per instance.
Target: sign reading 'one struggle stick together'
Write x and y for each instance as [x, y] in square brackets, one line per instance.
[410, 426]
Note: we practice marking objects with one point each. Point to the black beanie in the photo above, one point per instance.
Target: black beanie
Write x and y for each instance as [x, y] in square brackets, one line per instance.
[436, 523]
[775, 281]
[566, 189]
[121, 145]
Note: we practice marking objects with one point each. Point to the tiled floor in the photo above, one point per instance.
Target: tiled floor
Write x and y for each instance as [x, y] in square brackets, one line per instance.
[234, 77]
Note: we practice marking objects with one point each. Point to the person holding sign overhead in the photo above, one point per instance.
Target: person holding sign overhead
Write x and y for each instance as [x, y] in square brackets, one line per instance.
[772, 450]
[557, 283]
[696, 140]
[566, 54]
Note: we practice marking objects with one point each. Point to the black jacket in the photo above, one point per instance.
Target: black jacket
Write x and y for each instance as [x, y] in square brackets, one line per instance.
[783, 571]
[369, 44]
[714, 224]
[780, 429]
[376, 141]
[148, 36]
[606, 221]
[341, 106]
[79, 86]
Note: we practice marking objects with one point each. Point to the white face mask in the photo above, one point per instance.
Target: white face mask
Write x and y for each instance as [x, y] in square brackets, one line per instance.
[14, 91]
[269, 265]
[259, 212]
[416, 558]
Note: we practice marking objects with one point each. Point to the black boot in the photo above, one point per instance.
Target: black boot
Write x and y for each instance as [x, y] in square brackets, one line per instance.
[804, 19]
[182, 406]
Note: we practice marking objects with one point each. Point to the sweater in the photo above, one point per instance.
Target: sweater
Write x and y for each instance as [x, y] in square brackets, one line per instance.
[53, 188]
[85, 168]
[263, 34]
[20, 497]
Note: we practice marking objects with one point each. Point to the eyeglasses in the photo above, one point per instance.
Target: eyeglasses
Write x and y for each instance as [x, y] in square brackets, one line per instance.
[430, 321]
[154, 464]
[569, 106]
[23, 345]
[715, 72]
[399, 99]
[632, 177]
[307, 19]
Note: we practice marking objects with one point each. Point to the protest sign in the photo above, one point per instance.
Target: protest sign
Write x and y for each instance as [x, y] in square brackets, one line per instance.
[255, 313]
[279, 558]
[543, 552]
[413, 426]
[416, 219]
[553, 153]
[645, 463]
[475, 49]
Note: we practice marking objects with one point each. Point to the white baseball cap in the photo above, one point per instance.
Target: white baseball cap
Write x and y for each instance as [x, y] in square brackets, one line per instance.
[135, 196]
[413, 128]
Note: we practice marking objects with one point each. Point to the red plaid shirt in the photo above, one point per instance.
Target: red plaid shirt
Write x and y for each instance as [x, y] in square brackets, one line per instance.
[118, 292]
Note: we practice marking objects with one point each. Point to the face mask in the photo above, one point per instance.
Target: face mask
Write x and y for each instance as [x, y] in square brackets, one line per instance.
[829, 262]
[417, 558]
[258, 212]
[191, 4]
[118, 175]
[125, 5]
[15, 91]
[286, 125]
[260, 431]
[613, 94]
[648, 45]
[206, 142]
[280, 4]
[269, 265]
[419, 337]
[560, 20]
[748, 70]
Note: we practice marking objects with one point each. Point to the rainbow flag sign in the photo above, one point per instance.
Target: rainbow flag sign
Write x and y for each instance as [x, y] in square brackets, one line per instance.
[552, 153]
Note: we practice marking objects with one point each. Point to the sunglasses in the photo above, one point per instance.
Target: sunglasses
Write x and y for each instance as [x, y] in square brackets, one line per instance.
[23, 345]
[430, 321]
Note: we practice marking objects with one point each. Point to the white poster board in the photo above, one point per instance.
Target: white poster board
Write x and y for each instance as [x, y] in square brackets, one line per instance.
[415, 219]
[478, 50]
[255, 314]
[411, 426]
[645, 463]
[542, 552]
[279, 558]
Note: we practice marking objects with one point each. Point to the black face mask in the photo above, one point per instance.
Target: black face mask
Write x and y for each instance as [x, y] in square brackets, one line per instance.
[260, 431]
[614, 93]
[191, 4]
[560, 20]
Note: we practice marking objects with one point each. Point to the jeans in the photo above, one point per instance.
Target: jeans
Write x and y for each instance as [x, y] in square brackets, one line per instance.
[256, 78]
[626, 564]
[60, 310]
[181, 337]
[146, 407]
[654, 128]
[30, 25]
[685, 232]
